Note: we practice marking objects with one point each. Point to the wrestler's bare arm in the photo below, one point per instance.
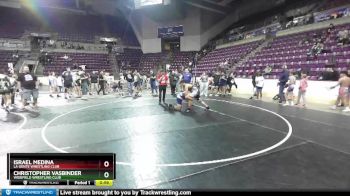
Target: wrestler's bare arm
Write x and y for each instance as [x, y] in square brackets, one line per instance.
[340, 81]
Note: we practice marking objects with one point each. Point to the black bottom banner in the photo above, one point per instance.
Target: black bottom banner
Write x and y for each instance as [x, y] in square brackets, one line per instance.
[118, 192]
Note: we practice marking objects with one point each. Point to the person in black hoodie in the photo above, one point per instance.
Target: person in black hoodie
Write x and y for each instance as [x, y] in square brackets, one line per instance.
[130, 79]
[173, 81]
[93, 81]
[254, 84]
[283, 79]
[102, 82]
[230, 82]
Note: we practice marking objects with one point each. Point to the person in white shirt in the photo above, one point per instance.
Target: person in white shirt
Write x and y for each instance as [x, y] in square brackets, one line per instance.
[259, 85]
[60, 84]
[5, 90]
[290, 89]
[53, 84]
[204, 80]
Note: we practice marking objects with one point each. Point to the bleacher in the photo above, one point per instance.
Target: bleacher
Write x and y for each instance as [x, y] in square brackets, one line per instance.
[93, 62]
[291, 51]
[233, 53]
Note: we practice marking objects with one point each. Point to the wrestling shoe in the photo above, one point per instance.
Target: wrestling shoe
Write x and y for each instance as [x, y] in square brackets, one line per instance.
[346, 109]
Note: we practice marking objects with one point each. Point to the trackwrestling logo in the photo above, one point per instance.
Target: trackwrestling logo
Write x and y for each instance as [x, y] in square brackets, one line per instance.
[29, 192]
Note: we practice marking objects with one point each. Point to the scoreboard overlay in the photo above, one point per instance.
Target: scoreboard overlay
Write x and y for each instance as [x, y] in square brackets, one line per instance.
[60, 169]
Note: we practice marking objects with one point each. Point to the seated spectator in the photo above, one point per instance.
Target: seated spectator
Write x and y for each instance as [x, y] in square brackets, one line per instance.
[343, 37]
[319, 48]
[330, 30]
[313, 50]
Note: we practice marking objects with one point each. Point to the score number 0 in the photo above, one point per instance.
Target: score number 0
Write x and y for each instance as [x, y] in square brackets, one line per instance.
[106, 164]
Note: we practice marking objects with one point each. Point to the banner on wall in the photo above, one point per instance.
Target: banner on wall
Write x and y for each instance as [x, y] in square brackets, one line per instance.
[332, 14]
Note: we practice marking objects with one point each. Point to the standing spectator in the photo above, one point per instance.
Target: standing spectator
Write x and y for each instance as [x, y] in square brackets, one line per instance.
[210, 84]
[59, 84]
[173, 81]
[290, 89]
[77, 82]
[102, 82]
[53, 84]
[222, 83]
[153, 83]
[187, 78]
[204, 81]
[144, 81]
[259, 85]
[178, 83]
[93, 83]
[162, 79]
[13, 79]
[137, 83]
[68, 82]
[84, 83]
[302, 89]
[230, 82]
[282, 82]
[130, 80]
[5, 90]
[28, 84]
[254, 84]
[216, 80]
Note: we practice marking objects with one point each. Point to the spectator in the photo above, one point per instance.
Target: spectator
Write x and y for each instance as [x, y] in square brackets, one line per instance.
[130, 79]
[254, 84]
[343, 37]
[68, 82]
[178, 83]
[173, 81]
[153, 83]
[216, 81]
[137, 83]
[93, 83]
[231, 81]
[102, 82]
[329, 32]
[282, 82]
[13, 79]
[5, 90]
[28, 84]
[259, 85]
[290, 89]
[222, 83]
[204, 85]
[187, 78]
[84, 83]
[53, 84]
[302, 89]
[162, 79]
[60, 84]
